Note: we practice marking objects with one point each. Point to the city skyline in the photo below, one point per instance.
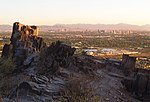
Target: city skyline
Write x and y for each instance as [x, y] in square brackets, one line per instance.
[48, 12]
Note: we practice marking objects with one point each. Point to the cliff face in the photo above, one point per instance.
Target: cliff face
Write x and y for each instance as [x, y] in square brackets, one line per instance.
[24, 41]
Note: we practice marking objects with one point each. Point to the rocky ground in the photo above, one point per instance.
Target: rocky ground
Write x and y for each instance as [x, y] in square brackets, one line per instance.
[84, 78]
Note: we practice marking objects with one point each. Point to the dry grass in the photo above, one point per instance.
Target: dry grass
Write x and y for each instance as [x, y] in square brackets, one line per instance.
[78, 90]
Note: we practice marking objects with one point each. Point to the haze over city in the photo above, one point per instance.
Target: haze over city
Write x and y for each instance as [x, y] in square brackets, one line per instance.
[49, 12]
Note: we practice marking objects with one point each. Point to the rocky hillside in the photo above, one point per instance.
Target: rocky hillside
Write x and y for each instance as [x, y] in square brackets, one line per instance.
[55, 74]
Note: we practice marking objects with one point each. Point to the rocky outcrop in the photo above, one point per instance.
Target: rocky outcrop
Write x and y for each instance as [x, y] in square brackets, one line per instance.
[57, 55]
[24, 42]
[60, 55]
[137, 80]
[57, 70]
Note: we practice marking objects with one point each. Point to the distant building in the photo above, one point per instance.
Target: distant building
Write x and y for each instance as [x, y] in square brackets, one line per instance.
[89, 51]
[108, 51]
[1, 39]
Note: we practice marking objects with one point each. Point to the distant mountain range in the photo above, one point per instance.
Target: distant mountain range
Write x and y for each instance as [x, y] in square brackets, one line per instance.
[5, 28]
[83, 27]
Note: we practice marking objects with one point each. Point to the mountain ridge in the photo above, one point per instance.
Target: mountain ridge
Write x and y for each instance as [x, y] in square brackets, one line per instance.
[82, 27]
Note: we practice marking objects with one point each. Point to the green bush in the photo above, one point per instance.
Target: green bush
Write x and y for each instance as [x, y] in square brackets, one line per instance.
[7, 65]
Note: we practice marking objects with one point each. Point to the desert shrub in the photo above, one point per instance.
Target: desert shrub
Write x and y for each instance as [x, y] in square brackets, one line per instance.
[6, 85]
[11, 82]
[7, 65]
[1, 99]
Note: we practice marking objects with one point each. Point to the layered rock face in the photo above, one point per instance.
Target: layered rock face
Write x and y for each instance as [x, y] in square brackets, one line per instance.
[24, 41]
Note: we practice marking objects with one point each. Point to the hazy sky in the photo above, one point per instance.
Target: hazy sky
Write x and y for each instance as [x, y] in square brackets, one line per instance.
[75, 11]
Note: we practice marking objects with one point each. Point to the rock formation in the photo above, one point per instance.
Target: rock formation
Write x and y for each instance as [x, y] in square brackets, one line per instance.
[137, 80]
[57, 55]
[128, 64]
[24, 41]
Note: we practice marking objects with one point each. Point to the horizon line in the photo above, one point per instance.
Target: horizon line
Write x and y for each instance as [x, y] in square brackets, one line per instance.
[79, 24]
